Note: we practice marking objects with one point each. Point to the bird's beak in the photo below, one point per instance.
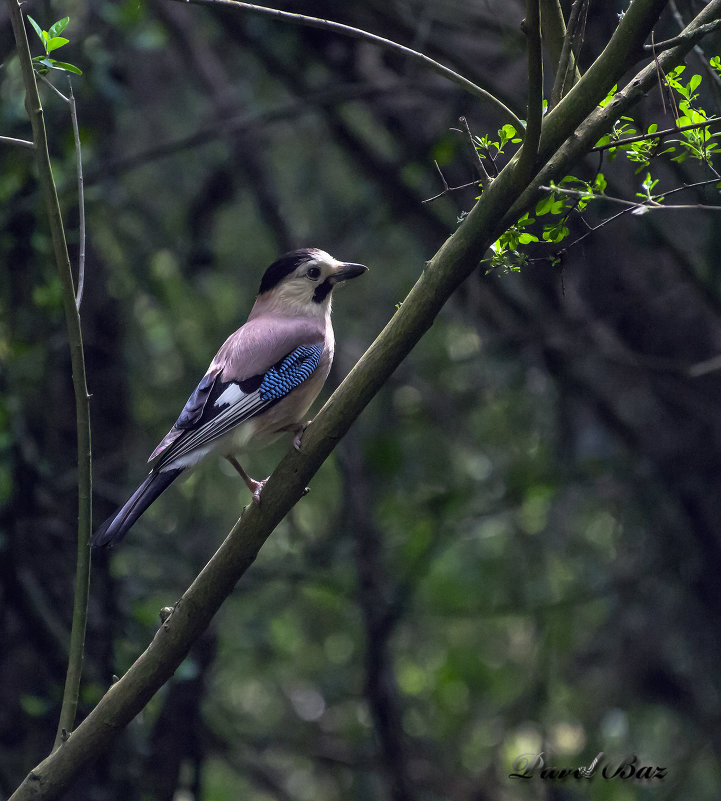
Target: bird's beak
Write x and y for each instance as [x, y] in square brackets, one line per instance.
[346, 270]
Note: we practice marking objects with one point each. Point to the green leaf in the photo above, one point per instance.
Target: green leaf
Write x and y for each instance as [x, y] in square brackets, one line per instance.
[694, 82]
[525, 239]
[37, 28]
[544, 205]
[555, 233]
[609, 96]
[63, 65]
[525, 220]
[58, 27]
[55, 43]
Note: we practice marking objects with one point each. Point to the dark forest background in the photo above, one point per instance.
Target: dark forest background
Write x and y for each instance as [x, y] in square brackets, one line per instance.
[517, 547]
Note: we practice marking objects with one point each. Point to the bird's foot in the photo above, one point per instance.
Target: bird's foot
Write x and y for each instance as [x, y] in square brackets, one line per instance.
[257, 488]
[299, 434]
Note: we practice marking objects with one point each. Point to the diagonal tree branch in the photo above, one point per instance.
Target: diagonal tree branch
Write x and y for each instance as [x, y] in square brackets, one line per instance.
[685, 36]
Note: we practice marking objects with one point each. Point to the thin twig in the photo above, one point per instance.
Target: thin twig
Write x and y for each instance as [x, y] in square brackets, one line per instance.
[684, 38]
[81, 196]
[663, 83]
[660, 77]
[53, 87]
[650, 204]
[446, 188]
[710, 72]
[485, 178]
[567, 62]
[695, 185]
[657, 134]
[70, 100]
[630, 207]
[358, 33]
[10, 140]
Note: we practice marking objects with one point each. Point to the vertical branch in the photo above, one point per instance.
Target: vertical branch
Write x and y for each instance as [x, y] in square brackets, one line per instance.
[553, 30]
[529, 149]
[566, 66]
[558, 42]
[81, 195]
[82, 399]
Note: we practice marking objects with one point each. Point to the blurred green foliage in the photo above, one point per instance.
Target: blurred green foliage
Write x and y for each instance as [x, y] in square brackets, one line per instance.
[514, 551]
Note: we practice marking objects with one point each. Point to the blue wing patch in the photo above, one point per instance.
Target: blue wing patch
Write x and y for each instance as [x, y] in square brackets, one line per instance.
[215, 407]
[289, 372]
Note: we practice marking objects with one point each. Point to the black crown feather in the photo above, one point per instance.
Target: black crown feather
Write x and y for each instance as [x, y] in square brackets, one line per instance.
[283, 266]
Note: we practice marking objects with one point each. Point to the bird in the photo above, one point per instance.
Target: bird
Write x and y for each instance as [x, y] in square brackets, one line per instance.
[259, 385]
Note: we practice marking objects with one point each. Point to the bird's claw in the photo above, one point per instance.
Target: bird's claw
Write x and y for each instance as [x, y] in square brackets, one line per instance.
[299, 434]
[257, 489]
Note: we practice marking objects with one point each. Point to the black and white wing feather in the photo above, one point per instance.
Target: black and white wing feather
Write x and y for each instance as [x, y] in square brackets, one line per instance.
[217, 406]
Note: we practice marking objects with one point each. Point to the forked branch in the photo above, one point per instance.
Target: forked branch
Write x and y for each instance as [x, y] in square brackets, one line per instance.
[82, 399]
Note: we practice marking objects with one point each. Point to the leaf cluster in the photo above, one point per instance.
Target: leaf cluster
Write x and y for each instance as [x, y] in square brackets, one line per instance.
[490, 149]
[572, 194]
[697, 143]
[52, 40]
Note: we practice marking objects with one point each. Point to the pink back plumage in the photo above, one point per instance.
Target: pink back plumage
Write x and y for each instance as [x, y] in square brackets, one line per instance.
[261, 342]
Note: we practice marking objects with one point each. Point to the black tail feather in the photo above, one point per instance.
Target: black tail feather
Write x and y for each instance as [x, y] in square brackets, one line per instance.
[117, 526]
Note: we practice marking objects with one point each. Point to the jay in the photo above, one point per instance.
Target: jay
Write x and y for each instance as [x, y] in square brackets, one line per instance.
[260, 384]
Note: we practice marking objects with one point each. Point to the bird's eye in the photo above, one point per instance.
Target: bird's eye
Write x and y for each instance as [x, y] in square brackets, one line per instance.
[313, 273]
